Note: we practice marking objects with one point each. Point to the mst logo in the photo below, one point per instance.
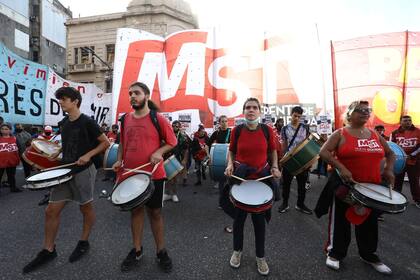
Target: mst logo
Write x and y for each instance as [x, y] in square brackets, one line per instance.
[7, 147]
[407, 142]
[366, 143]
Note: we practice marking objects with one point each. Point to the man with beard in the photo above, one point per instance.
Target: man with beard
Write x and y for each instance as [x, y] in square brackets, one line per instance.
[141, 137]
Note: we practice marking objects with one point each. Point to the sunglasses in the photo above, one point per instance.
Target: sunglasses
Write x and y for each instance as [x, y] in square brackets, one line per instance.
[251, 107]
[363, 111]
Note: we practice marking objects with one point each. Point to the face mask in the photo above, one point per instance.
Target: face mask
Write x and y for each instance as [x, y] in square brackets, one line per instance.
[252, 122]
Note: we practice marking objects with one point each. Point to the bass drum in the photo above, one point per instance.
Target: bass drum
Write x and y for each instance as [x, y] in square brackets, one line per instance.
[303, 156]
[218, 158]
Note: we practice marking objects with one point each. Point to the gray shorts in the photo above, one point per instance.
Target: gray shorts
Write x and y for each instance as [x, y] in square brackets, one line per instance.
[78, 189]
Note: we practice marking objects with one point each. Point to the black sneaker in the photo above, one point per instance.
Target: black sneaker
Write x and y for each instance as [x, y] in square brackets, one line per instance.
[303, 209]
[42, 258]
[283, 208]
[132, 259]
[44, 200]
[80, 250]
[164, 260]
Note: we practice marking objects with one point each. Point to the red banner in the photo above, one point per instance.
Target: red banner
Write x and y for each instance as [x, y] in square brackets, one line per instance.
[383, 69]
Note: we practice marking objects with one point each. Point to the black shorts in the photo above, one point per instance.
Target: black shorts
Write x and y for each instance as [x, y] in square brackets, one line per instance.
[156, 200]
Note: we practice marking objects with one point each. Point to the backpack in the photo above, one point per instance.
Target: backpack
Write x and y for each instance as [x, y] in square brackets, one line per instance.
[238, 129]
[153, 116]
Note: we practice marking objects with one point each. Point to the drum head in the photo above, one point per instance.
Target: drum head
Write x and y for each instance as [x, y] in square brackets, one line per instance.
[130, 188]
[46, 147]
[372, 191]
[48, 175]
[252, 193]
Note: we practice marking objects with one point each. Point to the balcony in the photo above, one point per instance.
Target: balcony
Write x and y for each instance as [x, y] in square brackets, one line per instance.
[79, 68]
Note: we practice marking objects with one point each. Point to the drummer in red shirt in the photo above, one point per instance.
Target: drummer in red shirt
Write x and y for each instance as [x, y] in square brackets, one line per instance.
[141, 143]
[407, 136]
[251, 152]
[359, 152]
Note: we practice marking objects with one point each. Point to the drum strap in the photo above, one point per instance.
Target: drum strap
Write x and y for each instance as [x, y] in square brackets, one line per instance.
[294, 136]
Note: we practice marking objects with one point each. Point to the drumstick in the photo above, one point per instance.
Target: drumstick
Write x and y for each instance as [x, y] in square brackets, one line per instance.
[137, 168]
[374, 191]
[239, 178]
[58, 167]
[263, 178]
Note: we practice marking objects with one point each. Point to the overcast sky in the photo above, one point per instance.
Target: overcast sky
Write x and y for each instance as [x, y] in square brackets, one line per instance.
[336, 19]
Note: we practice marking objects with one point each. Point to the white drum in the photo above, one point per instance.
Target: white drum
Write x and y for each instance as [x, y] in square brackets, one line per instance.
[47, 179]
[132, 191]
[378, 197]
[252, 196]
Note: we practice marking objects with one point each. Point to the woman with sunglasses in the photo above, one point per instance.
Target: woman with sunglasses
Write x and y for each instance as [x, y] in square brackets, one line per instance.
[358, 154]
[249, 152]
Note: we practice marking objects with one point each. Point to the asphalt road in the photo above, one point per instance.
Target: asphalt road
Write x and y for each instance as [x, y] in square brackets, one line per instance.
[199, 247]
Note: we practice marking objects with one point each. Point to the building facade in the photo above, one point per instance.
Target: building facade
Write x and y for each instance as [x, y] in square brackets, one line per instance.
[91, 40]
[35, 30]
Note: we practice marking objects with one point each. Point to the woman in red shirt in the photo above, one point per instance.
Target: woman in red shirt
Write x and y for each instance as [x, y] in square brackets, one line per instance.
[250, 150]
[359, 152]
[9, 156]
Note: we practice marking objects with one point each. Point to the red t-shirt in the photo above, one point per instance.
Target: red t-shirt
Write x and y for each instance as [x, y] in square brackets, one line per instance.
[409, 140]
[362, 157]
[9, 155]
[140, 139]
[252, 146]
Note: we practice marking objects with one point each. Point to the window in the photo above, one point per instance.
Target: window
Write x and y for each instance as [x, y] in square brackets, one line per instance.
[35, 56]
[92, 51]
[108, 85]
[76, 55]
[84, 56]
[110, 52]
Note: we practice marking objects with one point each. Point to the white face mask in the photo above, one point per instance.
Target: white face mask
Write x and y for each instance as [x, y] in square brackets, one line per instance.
[252, 121]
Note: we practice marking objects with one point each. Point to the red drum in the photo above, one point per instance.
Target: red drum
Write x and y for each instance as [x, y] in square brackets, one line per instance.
[252, 196]
[40, 152]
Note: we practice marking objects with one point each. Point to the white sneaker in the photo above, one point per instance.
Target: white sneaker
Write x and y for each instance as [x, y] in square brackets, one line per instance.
[379, 267]
[175, 198]
[332, 263]
[262, 266]
[235, 260]
[166, 197]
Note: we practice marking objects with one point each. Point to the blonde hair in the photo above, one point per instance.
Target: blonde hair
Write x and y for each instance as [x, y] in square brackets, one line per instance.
[350, 109]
